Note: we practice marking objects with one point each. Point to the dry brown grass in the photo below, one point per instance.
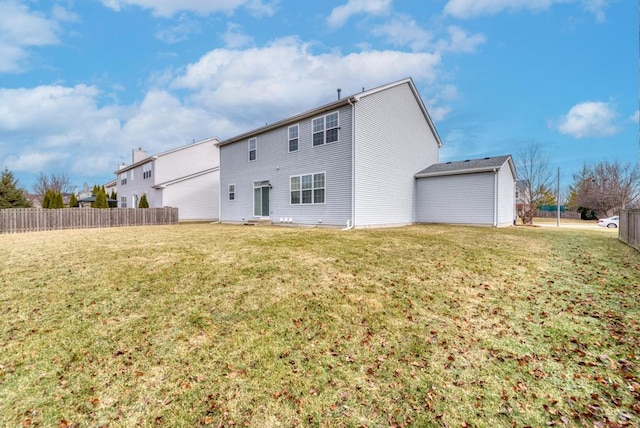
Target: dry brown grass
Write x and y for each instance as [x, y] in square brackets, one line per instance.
[212, 325]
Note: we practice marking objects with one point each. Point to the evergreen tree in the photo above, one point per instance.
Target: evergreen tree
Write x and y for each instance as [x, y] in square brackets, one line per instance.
[113, 195]
[101, 199]
[73, 201]
[11, 196]
[57, 201]
[46, 199]
[143, 201]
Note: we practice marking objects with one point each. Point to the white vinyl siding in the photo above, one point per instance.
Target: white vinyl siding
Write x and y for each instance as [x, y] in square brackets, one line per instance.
[393, 142]
[506, 196]
[457, 199]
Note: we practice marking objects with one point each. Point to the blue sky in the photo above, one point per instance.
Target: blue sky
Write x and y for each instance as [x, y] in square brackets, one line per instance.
[82, 83]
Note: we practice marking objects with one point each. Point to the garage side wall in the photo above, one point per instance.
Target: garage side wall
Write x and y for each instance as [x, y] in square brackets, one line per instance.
[456, 199]
[506, 197]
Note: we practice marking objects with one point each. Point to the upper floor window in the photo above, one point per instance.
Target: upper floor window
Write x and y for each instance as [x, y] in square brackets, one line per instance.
[232, 192]
[307, 189]
[133, 175]
[146, 170]
[123, 178]
[253, 149]
[293, 138]
[325, 129]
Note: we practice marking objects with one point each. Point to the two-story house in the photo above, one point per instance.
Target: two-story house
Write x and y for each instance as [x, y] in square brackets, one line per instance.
[359, 161]
[187, 177]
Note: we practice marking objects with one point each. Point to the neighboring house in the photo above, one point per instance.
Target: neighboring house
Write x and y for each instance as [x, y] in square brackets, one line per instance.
[187, 177]
[475, 191]
[352, 162]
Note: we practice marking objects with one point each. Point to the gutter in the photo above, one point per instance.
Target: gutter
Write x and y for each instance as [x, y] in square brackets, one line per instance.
[352, 222]
[495, 197]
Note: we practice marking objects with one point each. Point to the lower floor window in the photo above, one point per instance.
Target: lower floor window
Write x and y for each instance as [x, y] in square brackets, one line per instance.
[307, 189]
[123, 202]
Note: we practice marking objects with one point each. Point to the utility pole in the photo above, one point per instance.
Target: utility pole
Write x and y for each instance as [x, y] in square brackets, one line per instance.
[558, 199]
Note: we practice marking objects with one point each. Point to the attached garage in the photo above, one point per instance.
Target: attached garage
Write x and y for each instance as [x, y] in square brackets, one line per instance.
[477, 192]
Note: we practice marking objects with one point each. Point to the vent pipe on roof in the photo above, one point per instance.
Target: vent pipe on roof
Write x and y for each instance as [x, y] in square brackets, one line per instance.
[339, 90]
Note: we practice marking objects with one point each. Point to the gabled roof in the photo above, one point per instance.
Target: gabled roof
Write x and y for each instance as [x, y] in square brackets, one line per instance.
[468, 166]
[334, 105]
[156, 156]
[186, 177]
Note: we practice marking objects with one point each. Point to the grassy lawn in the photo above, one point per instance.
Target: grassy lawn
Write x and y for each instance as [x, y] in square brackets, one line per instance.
[213, 325]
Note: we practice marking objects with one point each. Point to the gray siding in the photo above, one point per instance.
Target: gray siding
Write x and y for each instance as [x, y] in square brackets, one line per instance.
[393, 141]
[275, 164]
[457, 199]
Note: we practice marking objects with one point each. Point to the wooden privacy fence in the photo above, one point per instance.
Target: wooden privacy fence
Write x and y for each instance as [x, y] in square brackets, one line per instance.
[629, 228]
[16, 220]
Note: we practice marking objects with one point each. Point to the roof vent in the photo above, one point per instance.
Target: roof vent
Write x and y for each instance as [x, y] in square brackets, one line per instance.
[467, 160]
[487, 158]
[339, 90]
[448, 163]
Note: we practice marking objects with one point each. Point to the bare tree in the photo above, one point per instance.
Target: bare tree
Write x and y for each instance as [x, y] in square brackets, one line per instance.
[607, 187]
[535, 171]
[57, 182]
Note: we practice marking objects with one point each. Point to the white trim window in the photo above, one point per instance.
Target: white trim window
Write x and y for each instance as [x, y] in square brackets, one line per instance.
[308, 188]
[146, 171]
[232, 192]
[293, 138]
[123, 202]
[325, 129]
[123, 178]
[132, 173]
[253, 149]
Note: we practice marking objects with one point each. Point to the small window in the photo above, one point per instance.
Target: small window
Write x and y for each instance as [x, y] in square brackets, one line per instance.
[232, 192]
[293, 138]
[253, 149]
[146, 171]
[123, 178]
[308, 189]
[133, 175]
[325, 129]
[123, 202]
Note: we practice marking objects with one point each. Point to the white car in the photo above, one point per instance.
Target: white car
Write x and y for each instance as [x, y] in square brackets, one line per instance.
[609, 222]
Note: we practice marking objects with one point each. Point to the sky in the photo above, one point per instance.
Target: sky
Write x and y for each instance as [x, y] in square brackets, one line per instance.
[84, 82]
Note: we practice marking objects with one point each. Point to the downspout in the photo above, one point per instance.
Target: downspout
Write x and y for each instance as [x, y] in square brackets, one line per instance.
[495, 197]
[352, 221]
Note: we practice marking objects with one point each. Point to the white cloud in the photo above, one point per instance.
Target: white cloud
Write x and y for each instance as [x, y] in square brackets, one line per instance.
[179, 31]
[471, 8]
[21, 29]
[234, 38]
[460, 41]
[268, 83]
[635, 117]
[341, 14]
[589, 119]
[168, 8]
[403, 30]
